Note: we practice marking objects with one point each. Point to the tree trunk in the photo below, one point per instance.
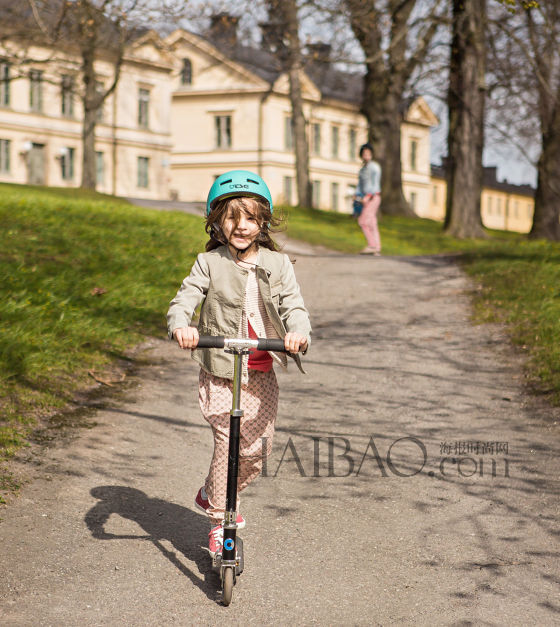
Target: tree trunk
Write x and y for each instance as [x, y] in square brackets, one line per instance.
[393, 201]
[384, 121]
[290, 53]
[466, 99]
[546, 219]
[89, 170]
[301, 144]
[387, 73]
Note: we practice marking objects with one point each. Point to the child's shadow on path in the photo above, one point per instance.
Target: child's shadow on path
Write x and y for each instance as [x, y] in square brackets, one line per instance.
[160, 520]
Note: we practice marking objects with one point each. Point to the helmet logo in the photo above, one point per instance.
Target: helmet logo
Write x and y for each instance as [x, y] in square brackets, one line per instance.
[238, 186]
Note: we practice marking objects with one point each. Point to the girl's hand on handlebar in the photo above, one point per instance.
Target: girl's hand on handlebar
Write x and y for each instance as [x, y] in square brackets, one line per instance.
[295, 342]
[187, 337]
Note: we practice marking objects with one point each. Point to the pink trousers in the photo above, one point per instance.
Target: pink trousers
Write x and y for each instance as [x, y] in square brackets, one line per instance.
[259, 401]
[368, 221]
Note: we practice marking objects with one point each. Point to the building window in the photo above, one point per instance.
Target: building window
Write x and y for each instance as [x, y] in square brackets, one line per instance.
[67, 96]
[352, 143]
[334, 196]
[414, 155]
[143, 169]
[499, 206]
[288, 185]
[529, 210]
[223, 131]
[4, 84]
[489, 205]
[288, 133]
[67, 163]
[186, 72]
[335, 142]
[413, 201]
[5, 150]
[316, 139]
[316, 193]
[36, 90]
[516, 208]
[99, 168]
[434, 194]
[143, 107]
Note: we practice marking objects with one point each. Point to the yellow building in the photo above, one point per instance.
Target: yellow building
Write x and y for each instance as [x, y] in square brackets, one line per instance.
[186, 109]
[231, 109]
[415, 156]
[41, 121]
[504, 206]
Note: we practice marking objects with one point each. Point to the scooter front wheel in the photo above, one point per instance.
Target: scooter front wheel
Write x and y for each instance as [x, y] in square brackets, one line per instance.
[227, 584]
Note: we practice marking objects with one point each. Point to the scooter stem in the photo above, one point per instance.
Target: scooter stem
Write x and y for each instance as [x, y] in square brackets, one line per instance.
[230, 524]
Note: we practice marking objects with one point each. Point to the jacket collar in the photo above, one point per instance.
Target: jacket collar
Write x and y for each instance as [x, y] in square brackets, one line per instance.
[261, 259]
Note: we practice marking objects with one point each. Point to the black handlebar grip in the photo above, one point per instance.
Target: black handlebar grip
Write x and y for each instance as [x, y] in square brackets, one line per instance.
[209, 341]
[276, 345]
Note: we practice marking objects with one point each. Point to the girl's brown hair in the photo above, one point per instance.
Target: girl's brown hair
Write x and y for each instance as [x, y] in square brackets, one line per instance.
[239, 204]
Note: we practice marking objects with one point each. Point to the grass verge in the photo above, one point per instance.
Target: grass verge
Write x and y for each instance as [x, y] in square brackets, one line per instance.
[85, 278]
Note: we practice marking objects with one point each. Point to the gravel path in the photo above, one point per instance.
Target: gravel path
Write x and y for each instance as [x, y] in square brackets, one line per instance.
[380, 504]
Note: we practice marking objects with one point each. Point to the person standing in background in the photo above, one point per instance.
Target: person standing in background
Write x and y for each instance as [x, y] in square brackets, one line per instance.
[368, 192]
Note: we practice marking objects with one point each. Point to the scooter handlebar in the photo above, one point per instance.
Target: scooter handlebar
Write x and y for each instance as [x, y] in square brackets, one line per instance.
[263, 344]
[275, 344]
[211, 341]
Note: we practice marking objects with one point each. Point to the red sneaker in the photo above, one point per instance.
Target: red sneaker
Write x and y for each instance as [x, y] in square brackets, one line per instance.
[215, 540]
[240, 521]
[201, 501]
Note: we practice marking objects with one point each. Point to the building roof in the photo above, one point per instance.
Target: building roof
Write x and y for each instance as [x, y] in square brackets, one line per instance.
[319, 66]
[57, 22]
[263, 62]
[334, 83]
[490, 181]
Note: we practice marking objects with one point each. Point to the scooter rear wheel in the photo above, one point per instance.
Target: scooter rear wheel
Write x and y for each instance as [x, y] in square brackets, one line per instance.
[227, 585]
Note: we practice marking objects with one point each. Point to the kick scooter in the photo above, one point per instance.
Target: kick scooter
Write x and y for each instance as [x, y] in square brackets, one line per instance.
[229, 563]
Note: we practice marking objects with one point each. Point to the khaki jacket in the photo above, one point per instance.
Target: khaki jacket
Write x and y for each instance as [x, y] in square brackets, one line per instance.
[219, 283]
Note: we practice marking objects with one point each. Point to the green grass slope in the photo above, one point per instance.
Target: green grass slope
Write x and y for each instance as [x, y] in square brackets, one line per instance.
[84, 278]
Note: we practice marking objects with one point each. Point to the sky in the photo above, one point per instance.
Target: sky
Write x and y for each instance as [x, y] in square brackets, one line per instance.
[511, 163]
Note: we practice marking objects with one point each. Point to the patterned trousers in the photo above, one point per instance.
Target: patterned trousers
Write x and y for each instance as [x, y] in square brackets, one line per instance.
[259, 401]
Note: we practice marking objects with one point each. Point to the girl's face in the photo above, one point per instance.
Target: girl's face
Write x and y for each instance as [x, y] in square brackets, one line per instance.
[241, 232]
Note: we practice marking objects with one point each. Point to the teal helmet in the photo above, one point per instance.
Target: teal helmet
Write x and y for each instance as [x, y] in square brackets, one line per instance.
[238, 183]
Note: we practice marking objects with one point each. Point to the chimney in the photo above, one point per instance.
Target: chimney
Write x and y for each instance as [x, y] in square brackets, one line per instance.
[319, 52]
[490, 174]
[271, 36]
[223, 29]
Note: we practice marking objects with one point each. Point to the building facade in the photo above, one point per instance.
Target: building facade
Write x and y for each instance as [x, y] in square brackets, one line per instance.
[231, 109]
[41, 121]
[503, 206]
